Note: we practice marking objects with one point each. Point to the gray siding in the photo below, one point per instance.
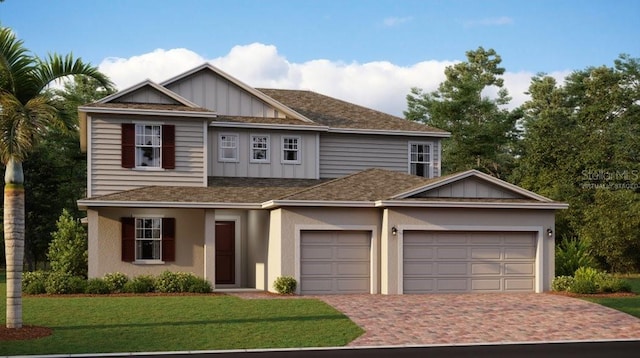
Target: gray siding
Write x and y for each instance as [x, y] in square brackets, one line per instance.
[471, 188]
[107, 174]
[146, 95]
[219, 94]
[307, 169]
[343, 154]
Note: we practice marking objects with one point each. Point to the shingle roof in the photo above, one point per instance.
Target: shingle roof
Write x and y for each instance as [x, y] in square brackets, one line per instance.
[336, 113]
[264, 120]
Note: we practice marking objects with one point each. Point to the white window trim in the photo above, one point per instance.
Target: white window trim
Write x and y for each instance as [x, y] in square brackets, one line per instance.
[282, 141]
[135, 145]
[430, 162]
[229, 160]
[267, 159]
[146, 261]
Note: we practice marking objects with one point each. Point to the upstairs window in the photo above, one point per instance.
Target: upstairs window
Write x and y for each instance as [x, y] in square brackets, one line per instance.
[291, 150]
[260, 149]
[148, 146]
[420, 159]
[228, 147]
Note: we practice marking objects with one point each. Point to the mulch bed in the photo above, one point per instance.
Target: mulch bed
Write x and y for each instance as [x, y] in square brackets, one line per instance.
[24, 333]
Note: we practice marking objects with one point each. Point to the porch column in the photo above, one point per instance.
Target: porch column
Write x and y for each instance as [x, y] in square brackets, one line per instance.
[210, 246]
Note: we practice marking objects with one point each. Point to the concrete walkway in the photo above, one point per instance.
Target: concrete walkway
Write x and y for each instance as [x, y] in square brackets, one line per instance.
[480, 318]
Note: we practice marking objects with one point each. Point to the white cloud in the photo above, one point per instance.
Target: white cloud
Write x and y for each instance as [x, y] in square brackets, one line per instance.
[380, 85]
[394, 21]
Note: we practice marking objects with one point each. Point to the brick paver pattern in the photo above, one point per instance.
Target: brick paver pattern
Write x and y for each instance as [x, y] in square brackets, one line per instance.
[480, 318]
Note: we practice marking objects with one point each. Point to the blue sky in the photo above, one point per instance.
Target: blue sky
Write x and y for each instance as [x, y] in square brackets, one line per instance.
[290, 43]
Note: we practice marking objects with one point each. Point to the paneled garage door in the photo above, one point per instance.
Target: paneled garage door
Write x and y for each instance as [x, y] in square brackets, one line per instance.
[334, 262]
[468, 261]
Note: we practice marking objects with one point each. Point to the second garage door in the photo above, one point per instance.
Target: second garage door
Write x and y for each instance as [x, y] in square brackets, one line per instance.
[468, 261]
[333, 262]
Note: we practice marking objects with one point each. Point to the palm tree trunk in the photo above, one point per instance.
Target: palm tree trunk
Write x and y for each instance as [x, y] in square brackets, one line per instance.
[14, 240]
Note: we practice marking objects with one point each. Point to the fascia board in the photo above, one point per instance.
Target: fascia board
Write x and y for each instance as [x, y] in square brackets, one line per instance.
[268, 126]
[149, 112]
[470, 205]
[155, 86]
[271, 204]
[389, 132]
[165, 204]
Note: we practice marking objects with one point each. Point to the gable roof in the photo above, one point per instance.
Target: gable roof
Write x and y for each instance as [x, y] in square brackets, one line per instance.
[341, 116]
[179, 100]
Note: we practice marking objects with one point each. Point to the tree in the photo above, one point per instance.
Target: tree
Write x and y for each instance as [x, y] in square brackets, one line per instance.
[68, 249]
[482, 132]
[28, 110]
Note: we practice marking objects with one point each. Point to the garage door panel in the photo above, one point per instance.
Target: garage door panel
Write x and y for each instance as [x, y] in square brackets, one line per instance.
[487, 268]
[516, 253]
[453, 268]
[335, 262]
[519, 269]
[468, 261]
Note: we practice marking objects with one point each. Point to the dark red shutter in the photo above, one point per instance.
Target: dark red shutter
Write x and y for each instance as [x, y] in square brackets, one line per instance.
[128, 145]
[169, 147]
[168, 239]
[128, 239]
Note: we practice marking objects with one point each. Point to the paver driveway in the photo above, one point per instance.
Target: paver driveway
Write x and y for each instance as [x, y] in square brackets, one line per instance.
[475, 318]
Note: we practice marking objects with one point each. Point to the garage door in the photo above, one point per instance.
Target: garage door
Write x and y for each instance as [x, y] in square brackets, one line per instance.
[468, 262]
[334, 262]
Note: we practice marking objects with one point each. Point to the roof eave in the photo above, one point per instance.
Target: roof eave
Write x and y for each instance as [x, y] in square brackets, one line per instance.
[176, 97]
[268, 126]
[273, 204]
[85, 204]
[470, 204]
[390, 132]
[148, 112]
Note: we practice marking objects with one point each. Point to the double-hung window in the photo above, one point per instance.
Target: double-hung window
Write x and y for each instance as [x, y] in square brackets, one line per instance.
[228, 147]
[420, 159]
[260, 149]
[290, 150]
[148, 145]
[148, 239]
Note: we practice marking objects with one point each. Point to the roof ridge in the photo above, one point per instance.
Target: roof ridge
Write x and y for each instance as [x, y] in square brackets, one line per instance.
[327, 182]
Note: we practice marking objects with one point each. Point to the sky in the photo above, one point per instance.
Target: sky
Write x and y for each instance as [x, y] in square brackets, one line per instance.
[366, 52]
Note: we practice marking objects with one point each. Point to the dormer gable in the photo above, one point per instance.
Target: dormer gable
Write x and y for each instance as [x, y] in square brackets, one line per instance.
[148, 92]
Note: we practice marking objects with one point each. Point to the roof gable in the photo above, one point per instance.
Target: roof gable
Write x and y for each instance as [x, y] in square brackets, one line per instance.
[148, 92]
[471, 184]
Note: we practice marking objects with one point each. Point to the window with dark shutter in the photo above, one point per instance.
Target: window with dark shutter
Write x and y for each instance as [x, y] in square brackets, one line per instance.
[169, 147]
[128, 145]
[168, 239]
[128, 239]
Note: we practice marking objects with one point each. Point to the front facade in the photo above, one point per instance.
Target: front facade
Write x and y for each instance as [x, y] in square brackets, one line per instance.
[205, 174]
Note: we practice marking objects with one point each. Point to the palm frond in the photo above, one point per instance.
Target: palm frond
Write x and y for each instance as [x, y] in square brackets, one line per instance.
[56, 67]
[16, 65]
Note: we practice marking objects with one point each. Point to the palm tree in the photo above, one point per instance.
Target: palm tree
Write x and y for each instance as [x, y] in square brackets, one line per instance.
[27, 110]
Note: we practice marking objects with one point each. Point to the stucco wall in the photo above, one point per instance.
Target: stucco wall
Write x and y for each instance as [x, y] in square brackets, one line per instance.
[105, 243]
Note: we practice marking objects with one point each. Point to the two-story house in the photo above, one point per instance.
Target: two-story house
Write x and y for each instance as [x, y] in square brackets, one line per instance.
[203, 173]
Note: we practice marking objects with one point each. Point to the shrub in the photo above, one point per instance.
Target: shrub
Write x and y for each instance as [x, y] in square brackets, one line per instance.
[34, 288]
[571, 254]
[68, 249]
[140, 284]
[198, 285]
[613, 284]
[285, 285]
[36, 278]
[97, 286]
[64, 283]
[116, 281]
[586, 280]
[562, 283]
[169, 282]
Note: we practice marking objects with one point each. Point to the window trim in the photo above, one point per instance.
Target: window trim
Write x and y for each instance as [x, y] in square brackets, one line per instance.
[237, 148]
[136, 239]
[298, 149]
[429, 163]
[136, 146]
[267, 158]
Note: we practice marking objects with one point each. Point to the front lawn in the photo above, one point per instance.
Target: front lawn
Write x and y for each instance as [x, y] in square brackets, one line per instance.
[177, 323]
[630, 305]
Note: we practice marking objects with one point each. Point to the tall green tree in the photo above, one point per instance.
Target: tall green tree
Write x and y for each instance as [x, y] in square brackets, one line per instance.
[28, 110]
[581, 137]
[483, 133]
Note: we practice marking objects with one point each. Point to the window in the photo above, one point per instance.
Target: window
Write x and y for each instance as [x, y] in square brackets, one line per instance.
[147, 146]
[420, 159]
[228, 147]
[291, 150]
[148, 239]
[260, 149]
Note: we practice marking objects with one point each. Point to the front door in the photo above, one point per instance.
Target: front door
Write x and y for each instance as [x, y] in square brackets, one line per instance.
[225, 252]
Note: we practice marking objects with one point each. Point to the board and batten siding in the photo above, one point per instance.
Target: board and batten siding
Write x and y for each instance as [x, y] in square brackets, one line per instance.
[146, 95]
[216, 93]
[344, 154]
[306, 169]
[108, 176]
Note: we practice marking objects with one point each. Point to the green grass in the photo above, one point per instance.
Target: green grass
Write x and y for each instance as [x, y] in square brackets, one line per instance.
[177, 323]
[630, 305]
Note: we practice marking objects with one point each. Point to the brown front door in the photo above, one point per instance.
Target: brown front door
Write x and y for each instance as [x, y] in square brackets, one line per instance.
[225, 252]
